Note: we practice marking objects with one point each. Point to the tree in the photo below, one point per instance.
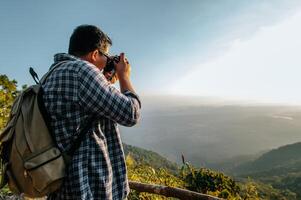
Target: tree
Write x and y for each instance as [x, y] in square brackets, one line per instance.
[8, 93]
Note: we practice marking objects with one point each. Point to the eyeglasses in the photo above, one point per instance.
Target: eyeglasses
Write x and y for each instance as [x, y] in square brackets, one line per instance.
[105, 54]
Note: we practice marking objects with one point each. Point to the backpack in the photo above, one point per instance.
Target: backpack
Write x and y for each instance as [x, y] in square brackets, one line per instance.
[31, 163]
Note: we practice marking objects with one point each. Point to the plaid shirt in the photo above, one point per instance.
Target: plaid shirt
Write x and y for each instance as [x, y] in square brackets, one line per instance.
[75, 92]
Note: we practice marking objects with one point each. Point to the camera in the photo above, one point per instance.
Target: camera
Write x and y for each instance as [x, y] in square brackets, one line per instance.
[110, 67]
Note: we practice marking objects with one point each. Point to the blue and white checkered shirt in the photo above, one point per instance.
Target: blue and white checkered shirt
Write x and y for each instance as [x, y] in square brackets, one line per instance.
[73, 93]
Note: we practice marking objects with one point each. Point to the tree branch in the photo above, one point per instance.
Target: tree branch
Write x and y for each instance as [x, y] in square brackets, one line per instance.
[170, 191]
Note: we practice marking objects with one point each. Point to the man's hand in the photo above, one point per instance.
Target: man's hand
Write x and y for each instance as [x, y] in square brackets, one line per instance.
[123, 71]
[123, 68]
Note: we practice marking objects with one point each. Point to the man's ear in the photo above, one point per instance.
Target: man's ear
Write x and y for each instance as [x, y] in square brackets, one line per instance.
[94, 55]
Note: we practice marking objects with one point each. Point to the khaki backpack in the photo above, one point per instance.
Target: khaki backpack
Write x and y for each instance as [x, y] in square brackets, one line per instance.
[31, 162]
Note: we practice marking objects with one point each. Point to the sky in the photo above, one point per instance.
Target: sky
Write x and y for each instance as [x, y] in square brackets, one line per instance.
[246, 50]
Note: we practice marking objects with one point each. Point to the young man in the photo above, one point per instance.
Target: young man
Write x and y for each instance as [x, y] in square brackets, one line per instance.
[76, 92]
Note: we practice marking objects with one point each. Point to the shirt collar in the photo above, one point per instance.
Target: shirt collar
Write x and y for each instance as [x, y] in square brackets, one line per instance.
[64, 57]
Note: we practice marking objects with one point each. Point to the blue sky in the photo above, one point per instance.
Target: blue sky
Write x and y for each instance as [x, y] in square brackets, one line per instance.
[197, 47]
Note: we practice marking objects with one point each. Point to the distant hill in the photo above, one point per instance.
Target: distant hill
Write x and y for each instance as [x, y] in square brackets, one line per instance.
[151, 158]
[280, 168]
[229, 165]
[284, 159]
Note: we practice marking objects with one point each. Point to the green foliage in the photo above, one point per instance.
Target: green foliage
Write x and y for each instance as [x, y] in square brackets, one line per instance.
[150, 158]
[266, 191]
[248, 190]
[8, 92]
[209, 182]
[200, 180]
[290, 184]
[147, 174]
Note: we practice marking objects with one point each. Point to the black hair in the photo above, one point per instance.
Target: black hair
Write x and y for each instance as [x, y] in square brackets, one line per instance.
[87, 38]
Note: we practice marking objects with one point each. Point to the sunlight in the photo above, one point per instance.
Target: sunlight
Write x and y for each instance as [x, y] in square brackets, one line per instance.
[266, 67]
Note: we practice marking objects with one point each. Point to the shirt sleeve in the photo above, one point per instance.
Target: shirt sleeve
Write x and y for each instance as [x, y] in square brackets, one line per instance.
[98, 96]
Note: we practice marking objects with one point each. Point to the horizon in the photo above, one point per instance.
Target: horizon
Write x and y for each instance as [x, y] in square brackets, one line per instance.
[216, 100]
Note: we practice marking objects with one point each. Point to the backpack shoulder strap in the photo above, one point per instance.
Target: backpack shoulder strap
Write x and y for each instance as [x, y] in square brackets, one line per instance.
[36, 77]
[76, 143]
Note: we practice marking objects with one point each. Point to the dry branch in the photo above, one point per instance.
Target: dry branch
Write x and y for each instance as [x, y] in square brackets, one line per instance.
[170, 191]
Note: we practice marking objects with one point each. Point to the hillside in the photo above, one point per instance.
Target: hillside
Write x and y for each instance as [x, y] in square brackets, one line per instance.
[156, 161]
[282, 160]
[151, 158]
[280, 168]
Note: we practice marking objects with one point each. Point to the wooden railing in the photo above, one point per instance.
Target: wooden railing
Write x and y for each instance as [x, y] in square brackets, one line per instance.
[170, 191]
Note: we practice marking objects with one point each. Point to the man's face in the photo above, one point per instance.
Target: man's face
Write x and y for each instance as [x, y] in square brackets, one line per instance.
[101, 59]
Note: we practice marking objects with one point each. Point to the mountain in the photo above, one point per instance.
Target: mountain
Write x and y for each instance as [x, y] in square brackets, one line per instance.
[280, 168]
[228, 165]
[283, 160]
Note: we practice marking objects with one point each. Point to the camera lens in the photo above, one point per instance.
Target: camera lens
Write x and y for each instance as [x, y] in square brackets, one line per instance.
[110, 63]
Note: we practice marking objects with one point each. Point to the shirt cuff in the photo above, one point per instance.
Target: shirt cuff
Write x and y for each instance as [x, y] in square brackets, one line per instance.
[133, 95]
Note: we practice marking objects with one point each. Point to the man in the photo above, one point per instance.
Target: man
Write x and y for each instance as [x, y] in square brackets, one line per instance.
[77, 91]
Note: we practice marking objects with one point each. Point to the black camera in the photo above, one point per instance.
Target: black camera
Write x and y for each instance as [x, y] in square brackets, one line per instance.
[110, 67]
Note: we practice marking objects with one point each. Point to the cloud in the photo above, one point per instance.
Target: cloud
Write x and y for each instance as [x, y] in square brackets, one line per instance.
[266, 67]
